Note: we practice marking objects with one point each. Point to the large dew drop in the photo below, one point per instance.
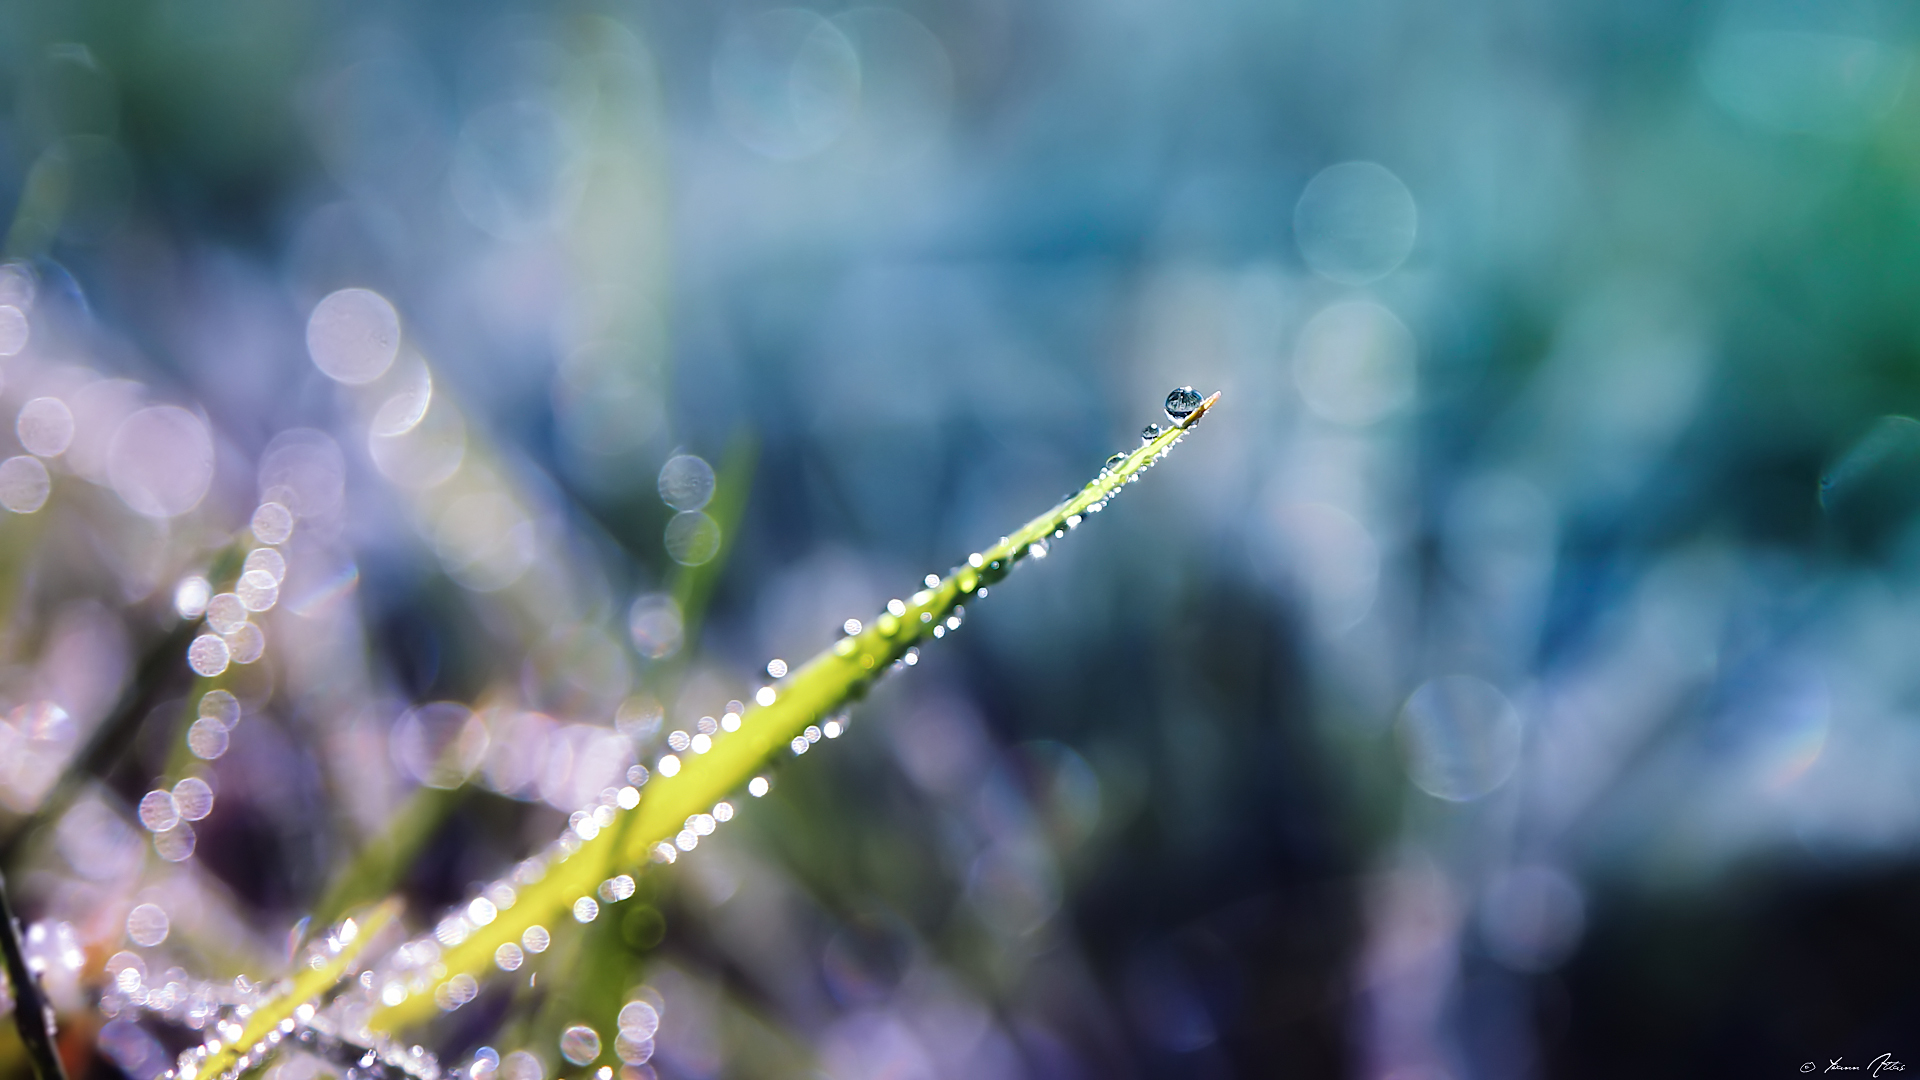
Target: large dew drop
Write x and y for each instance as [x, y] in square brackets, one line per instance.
[1181, 402]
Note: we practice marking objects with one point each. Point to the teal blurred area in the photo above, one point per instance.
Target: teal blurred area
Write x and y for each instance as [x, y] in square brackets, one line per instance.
[1513, 679]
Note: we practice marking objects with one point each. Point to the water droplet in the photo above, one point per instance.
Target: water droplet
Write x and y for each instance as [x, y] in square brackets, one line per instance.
[639, 1019]
[508, 957]
[353, 336]
[764, 696]
[777, 668]
[585, 909]
[799, 744]
[158, 812]
[1461, 736]
[1181, 402]
[208, 655]
[933, 581]
[257, 590]
[190, 597]
[24, 484]
[272, 523]
[221, 706]
[580, 1044]
[536, 939]
[247, 643]
[1149, 433]
[692, 538]
[193, 798]
[686, 482]
[757, 786]
[1113, 462]
[148, 925]
[45, 426]
[678, 741]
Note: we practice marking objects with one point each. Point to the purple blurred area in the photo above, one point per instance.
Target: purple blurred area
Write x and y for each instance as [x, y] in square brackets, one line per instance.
[1512, 679]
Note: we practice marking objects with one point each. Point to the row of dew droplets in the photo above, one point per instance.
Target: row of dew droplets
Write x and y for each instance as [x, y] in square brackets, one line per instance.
[416, 966]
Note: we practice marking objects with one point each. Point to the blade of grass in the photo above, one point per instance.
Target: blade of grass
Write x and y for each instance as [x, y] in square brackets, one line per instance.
[814, 690]
[31, 1013]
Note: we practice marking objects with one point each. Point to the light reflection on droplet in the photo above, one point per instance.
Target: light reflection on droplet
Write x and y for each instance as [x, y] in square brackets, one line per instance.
[247, 643]
[272, 523]
[765, 696]
[655, 625]
[786, 83]
[208, 655]
[353, 336]
[148, 925]
[616, 888]
[508, 957]
[265, 560]
[585, 909]
[852, 627]
[191, 595]
[158, 812]
[1354, 363]
[686, 483]
[257, 590]
[45, 426]
[24, 484]
[521, 1065]
[757, 786]
[1355, 222]
[193, 797]
[439, 744]
[160, 461]
[427, 455]
[1461, 737]
[207, 739]
[535, 939]
[692, 538]
[14, 330]
[631, 1050]
[777, 668]
[1532, 918]
[221, 707]
[176, 844]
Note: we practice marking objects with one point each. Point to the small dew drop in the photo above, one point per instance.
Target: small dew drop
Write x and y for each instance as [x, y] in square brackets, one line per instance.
[580, 1044]
[896, 609]
[1115, 461]
[669, 765]
[1181, 402]
[678, 741]
[508, 957]
[208, 655]
[536, 939]
[158, 811]
[757, 786]
[148, 925]
[777, 668]
[193, 798]
[190, 597]
[764, 696]
[852, 627]
[1150, 433]
[207, 739]
[585, 910]
[933, 581]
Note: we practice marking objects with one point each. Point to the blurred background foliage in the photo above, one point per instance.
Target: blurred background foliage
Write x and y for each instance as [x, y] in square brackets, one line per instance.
[1513, 680]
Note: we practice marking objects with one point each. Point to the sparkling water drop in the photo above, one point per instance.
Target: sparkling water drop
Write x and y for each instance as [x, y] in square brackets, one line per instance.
[193, 798]
[1114, 462]
[158, 811]
[208, 655]
[147, 925]
[1181, 403]
[536, 939]
[639, 1019]
[1149, 433]
[580, 1044]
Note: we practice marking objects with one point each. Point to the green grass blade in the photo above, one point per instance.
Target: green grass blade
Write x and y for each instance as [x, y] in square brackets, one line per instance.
[814, 690]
